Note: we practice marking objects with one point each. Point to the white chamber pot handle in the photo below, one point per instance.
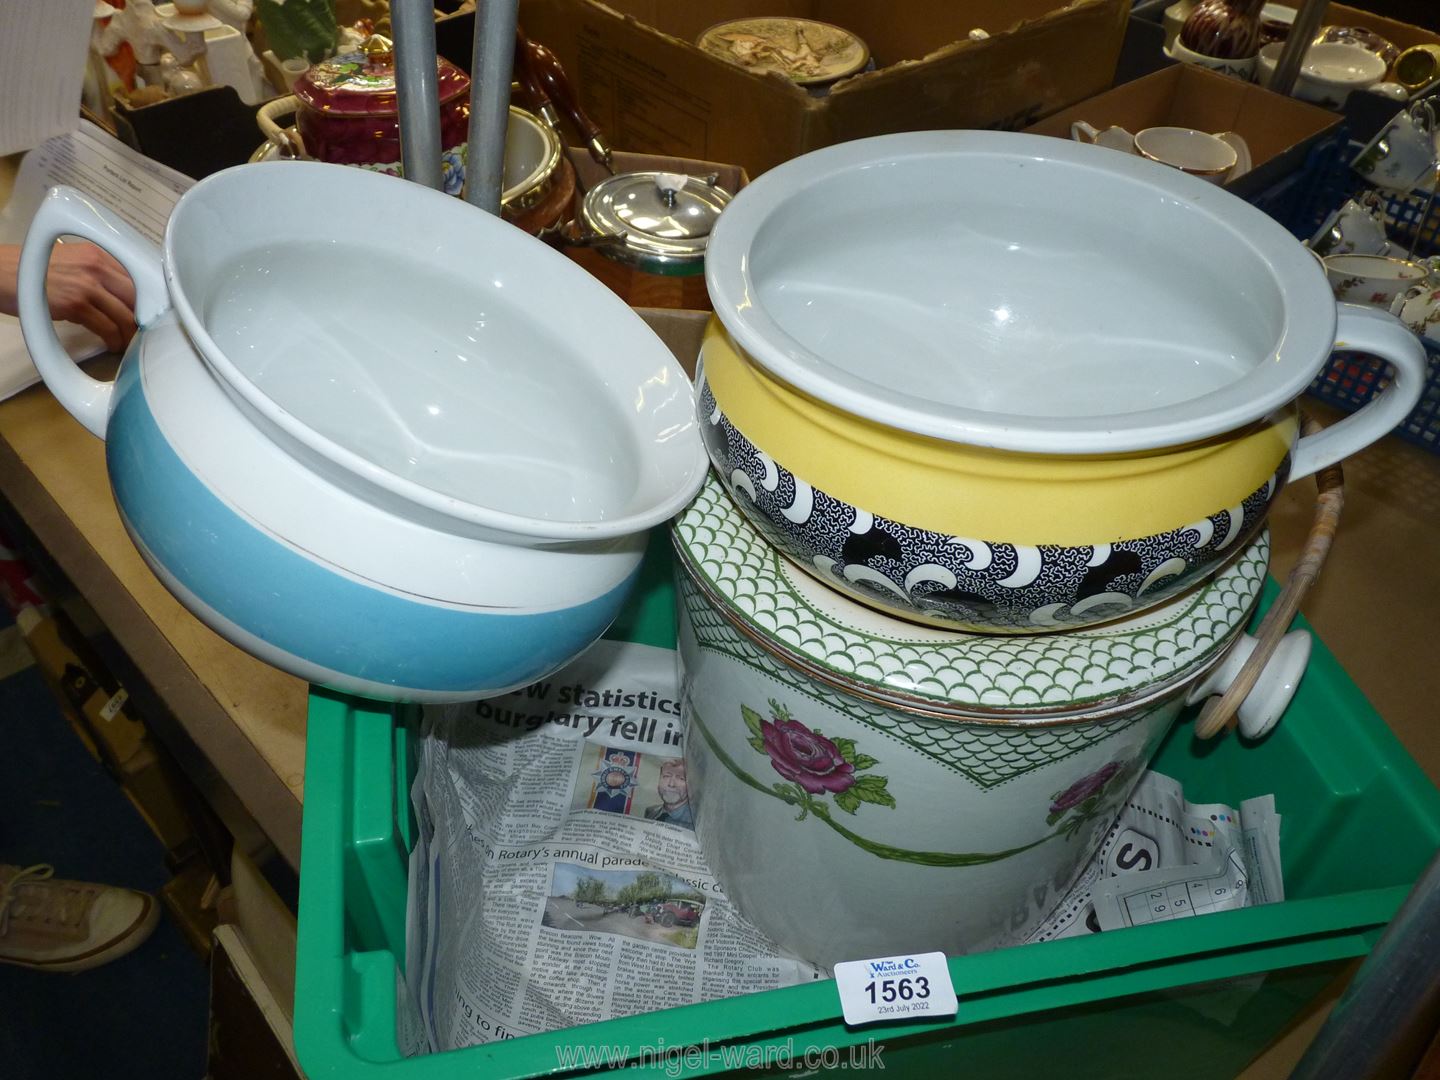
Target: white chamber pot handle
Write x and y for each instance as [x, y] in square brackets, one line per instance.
[1368, 330]
[1270, 696]
[67, 212]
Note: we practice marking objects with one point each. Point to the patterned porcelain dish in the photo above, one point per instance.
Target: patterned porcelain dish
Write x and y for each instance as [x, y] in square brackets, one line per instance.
[809, 53]
[865, 786]
[404, 477]
[947, 377]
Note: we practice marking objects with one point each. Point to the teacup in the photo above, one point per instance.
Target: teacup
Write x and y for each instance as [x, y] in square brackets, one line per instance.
[1354, 229]
[1419, 309]
[1198, 153]
[1239, 69]
[1403, 156]
[1417, 67]
[1377, 280]
[1216, 158]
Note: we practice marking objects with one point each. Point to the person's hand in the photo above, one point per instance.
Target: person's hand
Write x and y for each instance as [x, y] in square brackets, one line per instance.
[84, 285]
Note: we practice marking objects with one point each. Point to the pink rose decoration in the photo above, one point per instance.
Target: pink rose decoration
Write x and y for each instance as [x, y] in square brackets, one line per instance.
[1083, 788]
[811, 760]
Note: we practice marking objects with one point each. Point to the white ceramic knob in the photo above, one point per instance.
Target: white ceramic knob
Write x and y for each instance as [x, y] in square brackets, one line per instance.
[1270, 696]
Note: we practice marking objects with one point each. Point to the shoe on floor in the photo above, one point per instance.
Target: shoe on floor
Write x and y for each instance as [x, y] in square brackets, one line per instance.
[53, 925]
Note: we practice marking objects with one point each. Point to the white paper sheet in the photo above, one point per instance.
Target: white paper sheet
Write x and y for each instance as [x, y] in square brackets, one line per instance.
[1168, 858]
[44, 46]
[537, 812]
[549, 837]
[141, 191]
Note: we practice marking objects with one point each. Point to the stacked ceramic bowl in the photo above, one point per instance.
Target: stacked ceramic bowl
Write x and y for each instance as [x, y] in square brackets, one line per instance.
[416, 461]
[995, 422]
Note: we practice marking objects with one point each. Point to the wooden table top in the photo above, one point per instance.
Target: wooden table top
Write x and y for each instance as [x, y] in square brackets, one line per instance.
[245, 716]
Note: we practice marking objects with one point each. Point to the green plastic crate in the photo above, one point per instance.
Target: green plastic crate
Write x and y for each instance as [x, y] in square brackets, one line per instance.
[1187, 998]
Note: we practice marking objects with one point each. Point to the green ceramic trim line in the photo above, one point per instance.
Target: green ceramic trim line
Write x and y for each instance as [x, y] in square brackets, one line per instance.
[778, 564]
[984, 753]
[754, 591]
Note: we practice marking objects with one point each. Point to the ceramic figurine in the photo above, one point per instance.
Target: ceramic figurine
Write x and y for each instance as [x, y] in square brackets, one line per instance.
[187, 16]
[232, 62]
[234, 13]
[102, 81]
[177, 77]
[140, 29]
[228, 54]
[1224, 29]
[188, 20]
[164, 41]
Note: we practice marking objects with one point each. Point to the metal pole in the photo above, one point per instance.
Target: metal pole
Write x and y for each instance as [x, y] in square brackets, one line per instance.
[417, 90]
[490, 101]
[1302, 33]
[1384, 1021]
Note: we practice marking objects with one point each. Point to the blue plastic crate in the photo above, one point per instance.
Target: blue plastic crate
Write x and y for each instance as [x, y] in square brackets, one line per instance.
[1297, 200]
[1353, 378]
[1301, 202]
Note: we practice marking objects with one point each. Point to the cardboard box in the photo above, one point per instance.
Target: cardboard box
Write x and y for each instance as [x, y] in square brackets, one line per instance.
[652, 91]
[681, 331]
[1398, 33]
[1365, 113]
[1279, 130]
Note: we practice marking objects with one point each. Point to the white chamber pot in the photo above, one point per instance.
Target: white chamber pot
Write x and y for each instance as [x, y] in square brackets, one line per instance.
[869, 787]
[371, 435]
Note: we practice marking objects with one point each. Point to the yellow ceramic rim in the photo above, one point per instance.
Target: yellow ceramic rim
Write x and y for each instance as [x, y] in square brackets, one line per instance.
[995, 495]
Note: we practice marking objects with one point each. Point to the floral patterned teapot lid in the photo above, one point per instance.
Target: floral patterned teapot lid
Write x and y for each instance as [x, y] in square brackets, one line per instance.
[1031, 678]
[363, 83]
